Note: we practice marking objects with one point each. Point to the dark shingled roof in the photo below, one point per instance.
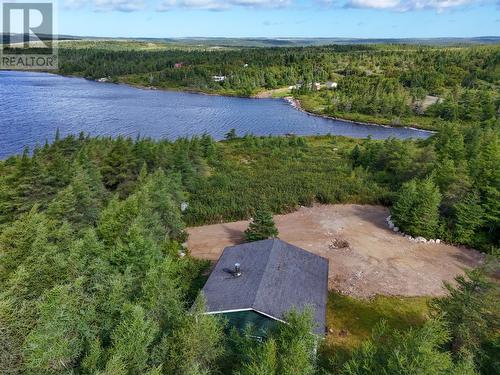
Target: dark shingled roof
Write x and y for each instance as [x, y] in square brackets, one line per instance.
[275, 277]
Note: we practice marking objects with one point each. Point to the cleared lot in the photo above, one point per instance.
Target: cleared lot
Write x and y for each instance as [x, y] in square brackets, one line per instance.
[375, 260]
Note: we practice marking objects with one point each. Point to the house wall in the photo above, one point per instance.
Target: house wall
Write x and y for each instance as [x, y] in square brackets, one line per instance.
[241, 319]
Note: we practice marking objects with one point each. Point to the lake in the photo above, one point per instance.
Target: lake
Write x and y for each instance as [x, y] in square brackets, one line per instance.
[34, 105]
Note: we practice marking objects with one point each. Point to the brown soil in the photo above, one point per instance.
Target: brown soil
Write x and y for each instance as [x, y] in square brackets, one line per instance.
[366, 257]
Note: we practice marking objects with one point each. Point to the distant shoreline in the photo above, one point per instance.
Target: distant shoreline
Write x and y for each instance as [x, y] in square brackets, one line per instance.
[295, 103]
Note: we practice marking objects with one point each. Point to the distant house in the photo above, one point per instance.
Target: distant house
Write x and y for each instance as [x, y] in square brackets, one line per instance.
[331, 85]
[178, 65]
[257, 283]
[219, 78]
[316, 86]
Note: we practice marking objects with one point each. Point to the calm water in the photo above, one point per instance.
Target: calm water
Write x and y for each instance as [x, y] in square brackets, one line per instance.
[34, 105]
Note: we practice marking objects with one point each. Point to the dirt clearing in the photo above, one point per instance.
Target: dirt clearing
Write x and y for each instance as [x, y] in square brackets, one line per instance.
[366, 257]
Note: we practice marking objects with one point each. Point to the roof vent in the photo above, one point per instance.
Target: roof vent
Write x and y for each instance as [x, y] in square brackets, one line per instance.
[237, 270]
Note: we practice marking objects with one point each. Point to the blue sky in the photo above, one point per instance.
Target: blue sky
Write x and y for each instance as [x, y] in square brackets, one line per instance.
[281, 18]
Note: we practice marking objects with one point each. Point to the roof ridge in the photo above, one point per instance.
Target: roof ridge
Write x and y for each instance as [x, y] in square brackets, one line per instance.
[265, 271]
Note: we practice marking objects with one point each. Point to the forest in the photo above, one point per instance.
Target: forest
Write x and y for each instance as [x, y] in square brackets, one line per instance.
[396, 85]
[95, 276]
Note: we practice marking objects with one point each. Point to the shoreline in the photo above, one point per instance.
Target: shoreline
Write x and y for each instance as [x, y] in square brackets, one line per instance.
[295, 103]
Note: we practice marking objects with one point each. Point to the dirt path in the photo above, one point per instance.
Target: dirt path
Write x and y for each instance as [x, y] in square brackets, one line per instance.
[376, 261]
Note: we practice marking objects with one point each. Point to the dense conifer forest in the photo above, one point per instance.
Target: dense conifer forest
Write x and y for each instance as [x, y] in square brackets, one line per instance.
[390, 84]
[94, 274]
[93, 277]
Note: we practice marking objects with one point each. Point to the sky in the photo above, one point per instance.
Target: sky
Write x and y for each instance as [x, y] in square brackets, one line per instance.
[279, 18]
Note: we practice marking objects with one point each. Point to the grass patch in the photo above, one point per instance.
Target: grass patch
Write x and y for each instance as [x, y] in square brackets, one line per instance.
[352, 321]
[318, 102]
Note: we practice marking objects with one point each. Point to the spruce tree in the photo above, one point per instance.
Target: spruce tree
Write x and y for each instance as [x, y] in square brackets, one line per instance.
[261, 228]
[402, 211]
[426, 213]
[469, 216]
[416, 210]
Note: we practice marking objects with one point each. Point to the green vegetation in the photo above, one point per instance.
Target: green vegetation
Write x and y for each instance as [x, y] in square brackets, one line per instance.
[472, 313]
[416, 351]
[352, 320]
[396, 85]
[397, 335]
[417, 208]
[93, 276]
[92, 279]
[261, 227]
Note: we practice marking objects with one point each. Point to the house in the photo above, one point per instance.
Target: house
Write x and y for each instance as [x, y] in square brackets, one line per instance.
[178, 65]
[297, 86]
[219, 78]
[331, 85]
[316, 86]
[259, 282]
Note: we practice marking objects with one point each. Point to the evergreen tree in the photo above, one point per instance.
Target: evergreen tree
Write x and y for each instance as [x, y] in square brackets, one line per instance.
[403, 210]
[417, 351]
[296, 344]
[472, 313]
[262, 360]
[80, 202]
[261, 227]
[289, 349]
[469, 217]
[426, 213]
[131, 341]
[416, 210]
[231, 134]
[61, 333]
[195, 347]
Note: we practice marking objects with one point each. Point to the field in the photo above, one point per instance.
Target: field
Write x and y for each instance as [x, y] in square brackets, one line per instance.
[366, 258]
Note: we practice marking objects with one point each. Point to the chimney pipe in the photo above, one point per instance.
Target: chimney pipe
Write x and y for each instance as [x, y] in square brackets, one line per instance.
[237, 270]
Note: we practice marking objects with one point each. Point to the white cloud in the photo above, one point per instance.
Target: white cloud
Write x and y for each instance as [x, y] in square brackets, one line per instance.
[120, 5]
[221, 4]
[376, 4]
[107, 5]
[407, 5]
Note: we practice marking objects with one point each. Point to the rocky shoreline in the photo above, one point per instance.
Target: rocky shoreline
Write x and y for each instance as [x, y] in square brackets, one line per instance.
[295, 103]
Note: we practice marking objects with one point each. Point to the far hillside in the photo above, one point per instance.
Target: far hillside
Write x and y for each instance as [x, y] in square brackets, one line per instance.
[391, 84]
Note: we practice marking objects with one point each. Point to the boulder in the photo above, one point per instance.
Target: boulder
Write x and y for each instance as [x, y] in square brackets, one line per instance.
[395, 229]
[438, 241]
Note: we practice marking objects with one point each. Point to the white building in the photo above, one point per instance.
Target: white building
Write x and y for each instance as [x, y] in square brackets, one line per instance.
[331, 85]
[219, 78]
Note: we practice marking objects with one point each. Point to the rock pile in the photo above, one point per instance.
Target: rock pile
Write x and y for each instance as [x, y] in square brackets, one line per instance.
[407, 236]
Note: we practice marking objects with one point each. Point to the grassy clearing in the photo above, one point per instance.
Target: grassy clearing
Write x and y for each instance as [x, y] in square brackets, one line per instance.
[279, 174]
[352, 320]
[274, 93]
[316, 103]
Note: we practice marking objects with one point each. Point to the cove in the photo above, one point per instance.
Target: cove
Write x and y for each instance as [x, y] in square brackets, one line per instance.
[34, 105]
